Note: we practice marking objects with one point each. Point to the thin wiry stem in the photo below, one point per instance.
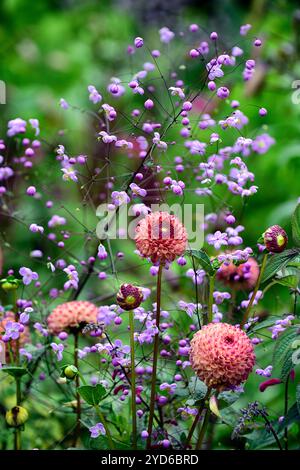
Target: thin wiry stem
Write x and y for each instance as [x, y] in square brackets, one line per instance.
[155, 358]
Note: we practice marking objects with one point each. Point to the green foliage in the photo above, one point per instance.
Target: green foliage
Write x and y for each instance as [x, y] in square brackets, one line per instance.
[283, 351]
[278, 262]
[92, 394]
[296, 225]
[15, 371]
[203, 260]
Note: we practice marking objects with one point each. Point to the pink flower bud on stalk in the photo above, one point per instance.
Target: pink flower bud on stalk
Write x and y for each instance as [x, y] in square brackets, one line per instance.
[129, 297]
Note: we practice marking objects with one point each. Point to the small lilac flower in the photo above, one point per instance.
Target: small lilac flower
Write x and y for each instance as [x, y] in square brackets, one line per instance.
[58, 350]
[120, 198]
[166, 35]
[170, 388]
[43, 331]
[217, 239]
[64, 104]
[94, 96]
[28, 275]
[13, 330]
[267, 372]
[137, 191]
[34, 228]
[26, 354]
[138, 42]
[73, 277]
[35, 125]
[97, 430]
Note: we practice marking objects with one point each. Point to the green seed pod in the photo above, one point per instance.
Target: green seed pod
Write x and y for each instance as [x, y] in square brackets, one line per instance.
[70, 372]
[17, 416]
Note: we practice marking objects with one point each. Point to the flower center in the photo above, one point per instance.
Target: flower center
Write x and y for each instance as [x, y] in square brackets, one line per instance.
[229, 340]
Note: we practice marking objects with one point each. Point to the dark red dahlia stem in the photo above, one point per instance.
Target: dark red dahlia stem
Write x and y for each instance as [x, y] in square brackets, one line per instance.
[155, 358]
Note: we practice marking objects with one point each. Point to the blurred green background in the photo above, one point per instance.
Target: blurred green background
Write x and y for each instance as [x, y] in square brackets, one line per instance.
[54, 48]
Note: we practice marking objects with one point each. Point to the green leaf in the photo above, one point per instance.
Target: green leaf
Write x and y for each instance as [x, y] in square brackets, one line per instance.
[283, 351]
[264, 324]
[296, 225]
[298, 397]
[16, 372]
[204, 260]
[279, 261]
[198, 389]
[92, 394]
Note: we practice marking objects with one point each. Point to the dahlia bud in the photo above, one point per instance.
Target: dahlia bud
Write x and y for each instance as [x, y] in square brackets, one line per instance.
[275, 239]
[70, 372]
[17, 416]
[129, 297]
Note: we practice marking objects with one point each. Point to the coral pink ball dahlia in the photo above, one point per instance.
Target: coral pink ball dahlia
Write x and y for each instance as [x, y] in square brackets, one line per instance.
[239, 277]
[161, 237]
[71, 315]
[222, 355]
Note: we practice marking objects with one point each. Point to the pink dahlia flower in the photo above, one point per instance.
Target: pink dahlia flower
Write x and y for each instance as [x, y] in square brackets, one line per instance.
[239, 277]
[222, 355]
[161, 237]
[71, 315]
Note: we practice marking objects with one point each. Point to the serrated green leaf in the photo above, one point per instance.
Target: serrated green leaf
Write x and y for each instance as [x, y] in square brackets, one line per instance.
[283, 348]
[279, 261]
[92, 394]
[288, 281]
[287, 366]
[296, 225]
[204, 261]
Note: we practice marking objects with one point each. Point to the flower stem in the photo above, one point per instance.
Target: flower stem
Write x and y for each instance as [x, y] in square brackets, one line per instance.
[286, 406]
[17, 438]
[155, 358]
[196, 420]
[262, 269]
[133, 380]
[203, 430]
[77, 384]
[103, 421]
[211, 298]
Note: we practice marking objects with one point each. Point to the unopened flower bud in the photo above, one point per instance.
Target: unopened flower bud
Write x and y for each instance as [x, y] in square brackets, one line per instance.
[9, 284]
[17, 416]
[275, 239]
[129, 296]
[70, 372]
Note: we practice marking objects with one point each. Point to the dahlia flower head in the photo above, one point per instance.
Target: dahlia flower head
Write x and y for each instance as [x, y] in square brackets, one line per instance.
[24, 335]
[242, 277]
[222, 355]
[71, 315]
[161, 237]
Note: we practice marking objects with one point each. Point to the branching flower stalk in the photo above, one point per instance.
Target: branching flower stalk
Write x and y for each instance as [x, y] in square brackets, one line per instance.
[248, 310]
[133, 380]
[155, 357]
[78, 400]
